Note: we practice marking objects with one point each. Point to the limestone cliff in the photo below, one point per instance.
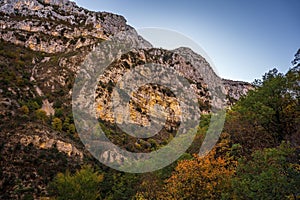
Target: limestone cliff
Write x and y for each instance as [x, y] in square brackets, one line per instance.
[54, 26]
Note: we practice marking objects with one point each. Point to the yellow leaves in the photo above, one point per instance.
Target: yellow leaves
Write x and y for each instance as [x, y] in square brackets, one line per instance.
[202, 177]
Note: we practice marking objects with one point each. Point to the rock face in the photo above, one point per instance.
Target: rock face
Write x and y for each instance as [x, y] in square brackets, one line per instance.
[148, 96]
[42, 45]
[44, 142]
[186, 63]
[236, 89]
[56, 26]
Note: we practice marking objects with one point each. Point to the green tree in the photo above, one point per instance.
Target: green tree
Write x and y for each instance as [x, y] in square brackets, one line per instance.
[122, 186]
[57, 124]
[83, 185]
[296, 61]
[269, 114]
[264, 106]
[269, 174]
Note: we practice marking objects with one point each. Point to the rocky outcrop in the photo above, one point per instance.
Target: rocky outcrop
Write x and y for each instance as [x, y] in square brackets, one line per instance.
[48, 107]
[44, 142]
[236, 89]
[57, 26]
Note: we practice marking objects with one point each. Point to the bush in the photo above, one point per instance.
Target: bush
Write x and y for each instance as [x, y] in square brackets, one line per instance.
[25, 110]
[83, 185]
[71, 129]
[41, 115]
[57, 124]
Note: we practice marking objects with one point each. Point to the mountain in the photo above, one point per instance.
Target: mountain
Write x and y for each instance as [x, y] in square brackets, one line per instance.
[43, 44]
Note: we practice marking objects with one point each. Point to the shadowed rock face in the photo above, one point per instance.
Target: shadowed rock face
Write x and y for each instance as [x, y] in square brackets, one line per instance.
[42, 46]
[236, 89]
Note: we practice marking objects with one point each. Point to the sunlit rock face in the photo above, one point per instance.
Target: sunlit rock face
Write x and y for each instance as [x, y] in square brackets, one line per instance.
[185, 63]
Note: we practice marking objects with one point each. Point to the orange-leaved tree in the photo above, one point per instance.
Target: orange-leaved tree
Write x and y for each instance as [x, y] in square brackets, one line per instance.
[206, 177]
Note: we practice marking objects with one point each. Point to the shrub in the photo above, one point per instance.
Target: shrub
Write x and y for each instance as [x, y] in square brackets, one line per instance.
[57, 124]
[83, 185]
[41, 115]
[25, 110]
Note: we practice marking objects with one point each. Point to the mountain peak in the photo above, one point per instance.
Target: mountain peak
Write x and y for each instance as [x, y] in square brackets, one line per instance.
[31, 23]
[31, 3]
[38, 7]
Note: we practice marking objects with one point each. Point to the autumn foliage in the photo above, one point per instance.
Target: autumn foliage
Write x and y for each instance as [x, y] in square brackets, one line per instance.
[202, 177]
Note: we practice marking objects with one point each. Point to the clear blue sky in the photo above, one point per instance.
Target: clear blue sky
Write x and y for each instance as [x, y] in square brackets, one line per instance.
[244, 39]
